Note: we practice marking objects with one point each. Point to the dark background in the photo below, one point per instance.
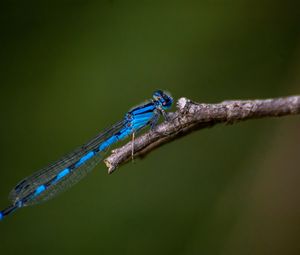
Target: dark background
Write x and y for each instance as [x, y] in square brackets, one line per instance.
[71, 68]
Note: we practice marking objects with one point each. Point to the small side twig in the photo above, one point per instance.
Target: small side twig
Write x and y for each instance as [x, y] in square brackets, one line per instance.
[192, 116]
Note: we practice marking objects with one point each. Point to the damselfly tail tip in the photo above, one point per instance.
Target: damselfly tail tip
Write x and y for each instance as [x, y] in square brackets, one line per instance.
[9, 210]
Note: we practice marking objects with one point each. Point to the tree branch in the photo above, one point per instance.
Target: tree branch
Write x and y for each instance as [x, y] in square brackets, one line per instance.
[192, 116]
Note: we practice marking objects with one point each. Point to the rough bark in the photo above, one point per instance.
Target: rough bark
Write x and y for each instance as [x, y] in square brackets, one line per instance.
[191, 116]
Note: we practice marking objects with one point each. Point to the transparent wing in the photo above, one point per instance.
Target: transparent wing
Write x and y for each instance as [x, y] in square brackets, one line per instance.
[65, 183]
[25, 189]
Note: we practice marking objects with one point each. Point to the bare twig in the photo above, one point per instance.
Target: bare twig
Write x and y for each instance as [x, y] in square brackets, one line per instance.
[192, 116]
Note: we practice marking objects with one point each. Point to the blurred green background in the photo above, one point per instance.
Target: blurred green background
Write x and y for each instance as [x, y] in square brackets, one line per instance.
[71, 68]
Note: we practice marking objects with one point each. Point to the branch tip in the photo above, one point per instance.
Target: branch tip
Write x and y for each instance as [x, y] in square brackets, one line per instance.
[182, 102]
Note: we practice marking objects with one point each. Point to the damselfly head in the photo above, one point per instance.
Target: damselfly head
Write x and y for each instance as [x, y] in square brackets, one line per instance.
[163, 99]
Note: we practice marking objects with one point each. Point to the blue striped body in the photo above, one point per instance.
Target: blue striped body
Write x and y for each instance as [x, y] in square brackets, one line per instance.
[133, 121]
[64, 173]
